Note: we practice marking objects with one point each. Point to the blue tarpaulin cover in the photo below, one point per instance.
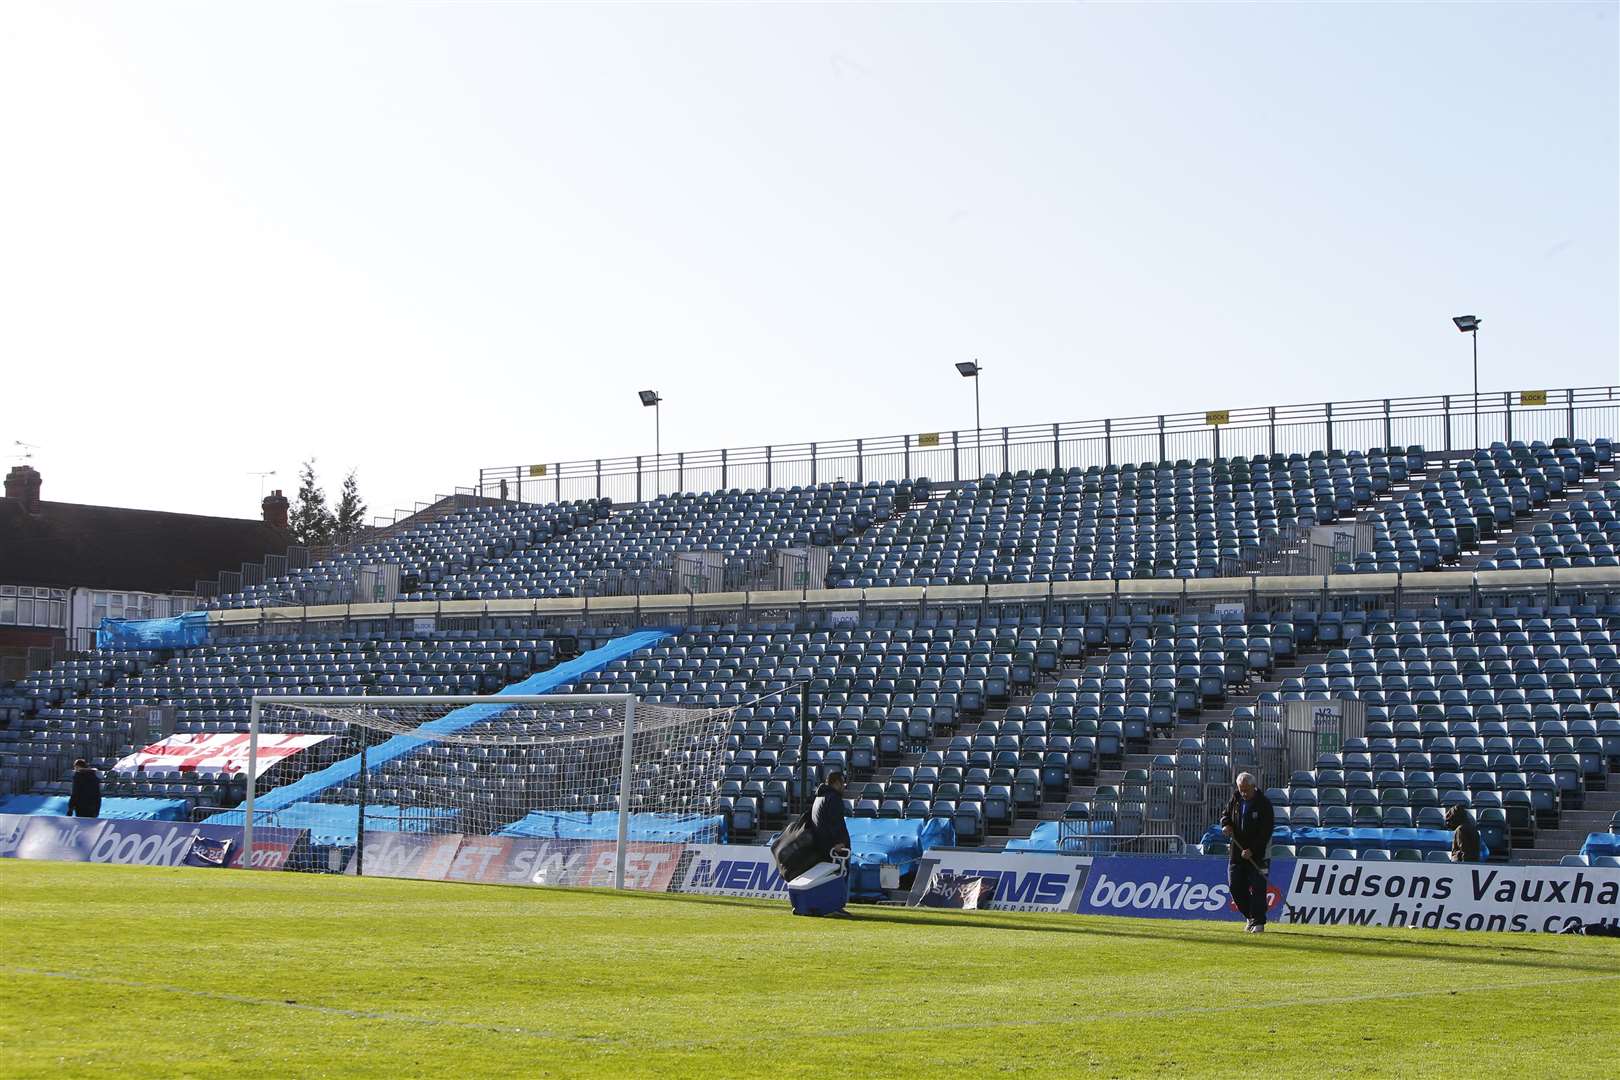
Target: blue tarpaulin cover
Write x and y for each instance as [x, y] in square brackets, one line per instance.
[1601, 843]
[180, 632]
[604, 825]
[123, 809]
[875, 841]
[337, 824]
[1355, 839]
[1044, 838]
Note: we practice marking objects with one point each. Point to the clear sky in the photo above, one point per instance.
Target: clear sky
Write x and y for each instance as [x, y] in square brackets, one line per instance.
[420, 238]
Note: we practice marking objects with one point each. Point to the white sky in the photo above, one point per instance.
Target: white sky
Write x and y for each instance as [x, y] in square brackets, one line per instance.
[417, 239]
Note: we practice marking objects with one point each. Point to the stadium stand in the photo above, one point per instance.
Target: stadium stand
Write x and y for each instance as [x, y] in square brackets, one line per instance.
[1019, 724]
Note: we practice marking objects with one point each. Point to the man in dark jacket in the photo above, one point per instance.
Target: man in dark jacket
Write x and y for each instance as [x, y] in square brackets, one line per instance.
[86, 798]
[1247, 823]
[1464, 834]
[827, 815]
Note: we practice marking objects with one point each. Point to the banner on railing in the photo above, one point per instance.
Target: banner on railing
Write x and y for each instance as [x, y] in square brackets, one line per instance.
[225, 752]
[1437, 896]
[732, 870]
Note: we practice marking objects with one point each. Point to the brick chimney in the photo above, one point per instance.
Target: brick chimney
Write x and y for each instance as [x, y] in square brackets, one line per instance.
[275, 509]
[22, 484]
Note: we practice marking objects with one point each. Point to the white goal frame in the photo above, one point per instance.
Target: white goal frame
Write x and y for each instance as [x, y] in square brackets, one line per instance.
[626, 760]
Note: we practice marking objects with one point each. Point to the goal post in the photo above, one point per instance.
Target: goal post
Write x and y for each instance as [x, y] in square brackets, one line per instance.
[603, 768]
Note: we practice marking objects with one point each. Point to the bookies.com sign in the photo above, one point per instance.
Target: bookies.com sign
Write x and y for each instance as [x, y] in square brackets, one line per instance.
[1050, 883]
[1436, 896]
[141, 843]
[1173, 887]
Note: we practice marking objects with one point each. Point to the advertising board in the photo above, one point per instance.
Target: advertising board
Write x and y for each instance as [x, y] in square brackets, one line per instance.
[1177, 887]
[1050, 883]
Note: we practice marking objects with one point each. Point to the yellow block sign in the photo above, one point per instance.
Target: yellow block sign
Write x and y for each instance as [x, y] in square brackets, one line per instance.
[1218, 416]
[928, 438]
[1532, 397]
[537, 470]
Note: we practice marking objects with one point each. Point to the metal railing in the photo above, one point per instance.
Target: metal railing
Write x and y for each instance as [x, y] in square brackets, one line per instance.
[1440, 423]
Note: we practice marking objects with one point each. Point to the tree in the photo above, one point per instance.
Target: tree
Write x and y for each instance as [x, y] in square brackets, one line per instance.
[351, 511]
[311, 522]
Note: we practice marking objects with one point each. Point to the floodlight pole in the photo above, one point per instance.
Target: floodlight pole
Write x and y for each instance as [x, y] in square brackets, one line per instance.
[658, 437]
[1474, 333]
[978, 426]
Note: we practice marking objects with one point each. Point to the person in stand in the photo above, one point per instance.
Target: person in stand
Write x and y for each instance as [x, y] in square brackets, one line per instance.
[827, 816]
[1464, 834]
[86, 798]
[1247, 823]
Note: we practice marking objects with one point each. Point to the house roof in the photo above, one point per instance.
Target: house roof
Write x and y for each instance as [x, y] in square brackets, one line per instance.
[108, 547]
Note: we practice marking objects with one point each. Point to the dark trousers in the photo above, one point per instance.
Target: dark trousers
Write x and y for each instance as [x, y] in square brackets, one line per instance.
[1248, 890]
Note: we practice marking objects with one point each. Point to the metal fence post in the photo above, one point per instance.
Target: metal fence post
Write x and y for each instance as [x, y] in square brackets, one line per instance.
[1445, 415]
[680, 472]
[1215, 429]
[1006, 453]
[1057, 453]
[1271, 431]
[598, 478]
[1507, 412]
[907, 459]
[638, 478]
[812, 463]
[1330, 427]
[768, 481]
[1108, 442]
[557, 477]
[1569, 398]
[860, 463]
[956, 458]
[1162, 456]
[1389, 436]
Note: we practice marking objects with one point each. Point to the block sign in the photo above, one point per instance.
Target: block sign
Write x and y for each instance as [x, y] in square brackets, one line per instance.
[1532, 397]
[1215, 417]
[537, 470]
[928, 438]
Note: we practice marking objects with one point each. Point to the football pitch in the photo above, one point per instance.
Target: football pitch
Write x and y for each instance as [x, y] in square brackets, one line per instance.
[130, 971]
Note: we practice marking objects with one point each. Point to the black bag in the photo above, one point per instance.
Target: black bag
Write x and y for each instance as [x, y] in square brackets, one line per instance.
[795, 849]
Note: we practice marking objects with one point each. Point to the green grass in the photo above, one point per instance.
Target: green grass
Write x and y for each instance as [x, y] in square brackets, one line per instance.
[129, 971]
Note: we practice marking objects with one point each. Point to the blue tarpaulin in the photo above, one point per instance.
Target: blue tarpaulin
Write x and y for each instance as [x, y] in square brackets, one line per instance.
[1355, 839]
[876, 841]
[604, 825]
[310, 787]
[1044, 838]
[1601, 843]
[337, 824]
[124, 809]
[181, 632]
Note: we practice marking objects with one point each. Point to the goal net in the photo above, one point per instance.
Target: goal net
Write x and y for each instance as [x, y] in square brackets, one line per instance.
[550, 789]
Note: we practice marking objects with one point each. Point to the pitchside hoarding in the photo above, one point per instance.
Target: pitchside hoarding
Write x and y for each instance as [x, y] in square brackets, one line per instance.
[1173, 887]
[1049, 883]
[732, 870]
[140, 843]
[1436, 896]
[515, 860]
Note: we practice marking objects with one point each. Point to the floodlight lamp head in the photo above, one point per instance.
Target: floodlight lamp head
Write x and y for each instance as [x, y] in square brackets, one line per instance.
[650, 398]
[968, 368]
[1467, 324]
